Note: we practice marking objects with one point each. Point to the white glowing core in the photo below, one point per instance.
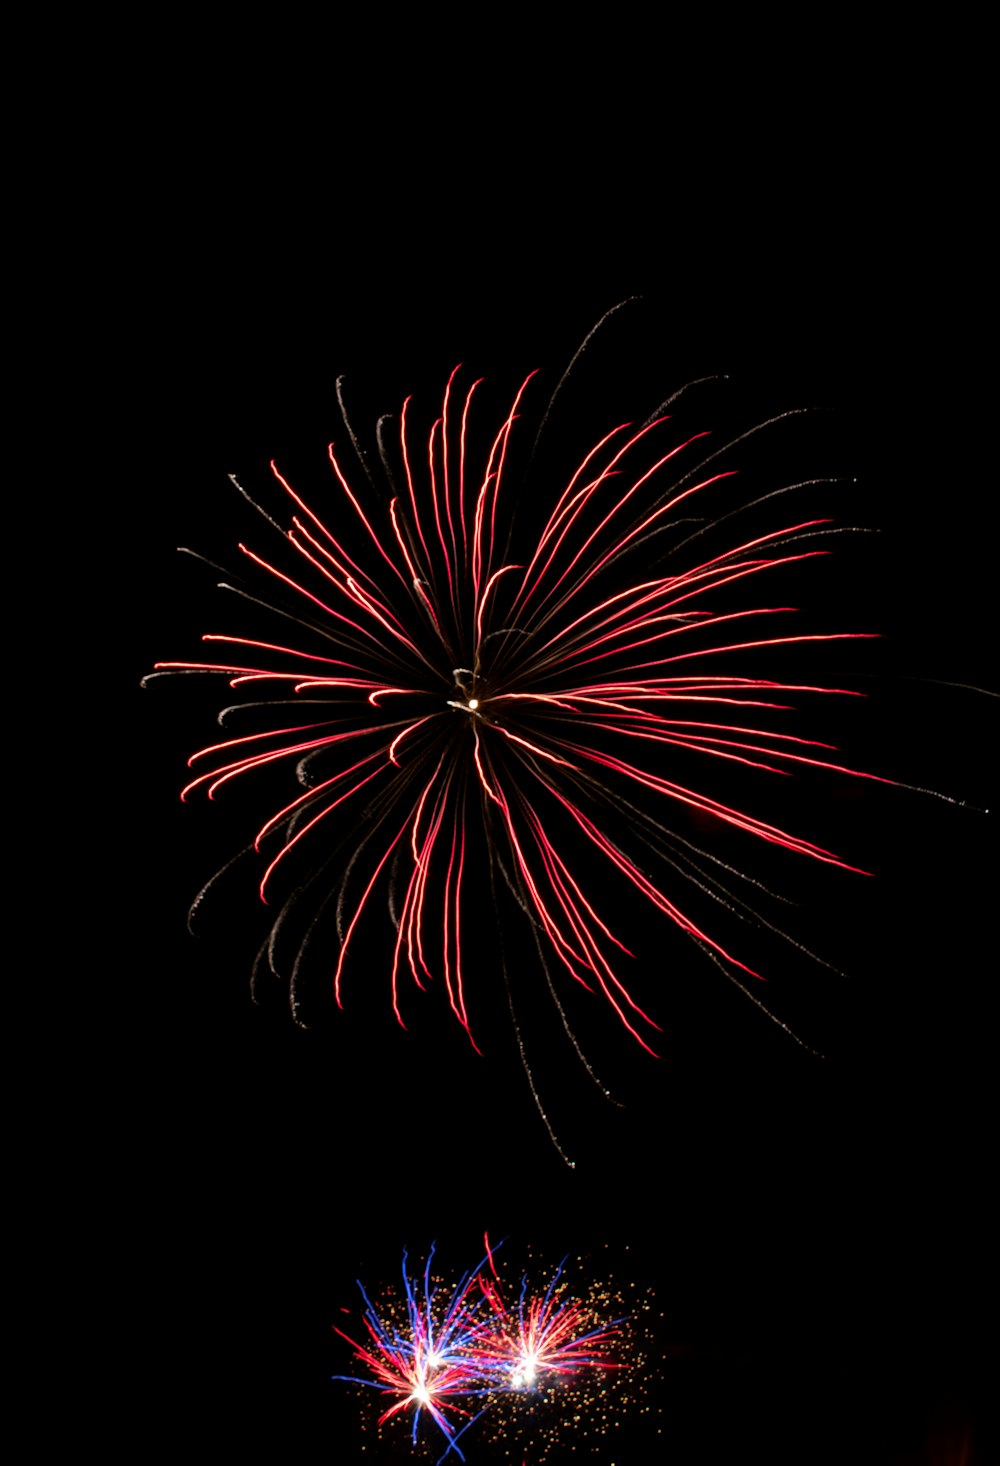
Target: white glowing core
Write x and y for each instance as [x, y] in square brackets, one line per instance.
[524, 1372]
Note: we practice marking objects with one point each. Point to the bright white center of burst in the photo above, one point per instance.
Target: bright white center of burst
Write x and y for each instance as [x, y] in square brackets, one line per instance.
[524, 1372]
[421, 1394]
[433, 1360]
[471, 706]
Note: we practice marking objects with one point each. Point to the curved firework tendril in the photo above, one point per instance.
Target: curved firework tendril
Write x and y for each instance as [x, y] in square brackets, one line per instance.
[456, 1354]
[464, 700]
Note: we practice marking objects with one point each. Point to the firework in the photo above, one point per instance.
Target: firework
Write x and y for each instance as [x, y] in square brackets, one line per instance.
[548, 1337]
[488, 684]
[420, 1353]
[457, 1355]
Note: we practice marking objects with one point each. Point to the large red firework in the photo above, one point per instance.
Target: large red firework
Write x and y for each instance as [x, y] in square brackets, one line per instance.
[489, 681]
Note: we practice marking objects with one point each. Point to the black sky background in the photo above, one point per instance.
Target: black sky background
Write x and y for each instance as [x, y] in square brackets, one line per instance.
[816, 1232]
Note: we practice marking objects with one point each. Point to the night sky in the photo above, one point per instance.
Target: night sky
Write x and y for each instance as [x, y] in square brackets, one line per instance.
[815, 1231]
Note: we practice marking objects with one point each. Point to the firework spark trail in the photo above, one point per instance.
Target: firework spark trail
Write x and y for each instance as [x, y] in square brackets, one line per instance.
[468, 676]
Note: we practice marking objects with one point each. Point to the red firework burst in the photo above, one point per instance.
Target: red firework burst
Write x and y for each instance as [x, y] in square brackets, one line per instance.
[490, 684]
[547, 1336]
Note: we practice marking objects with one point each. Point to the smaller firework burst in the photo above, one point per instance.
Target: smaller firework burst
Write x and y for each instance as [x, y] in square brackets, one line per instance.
[548, 1336]
[421, 1352]
[554, 1360]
